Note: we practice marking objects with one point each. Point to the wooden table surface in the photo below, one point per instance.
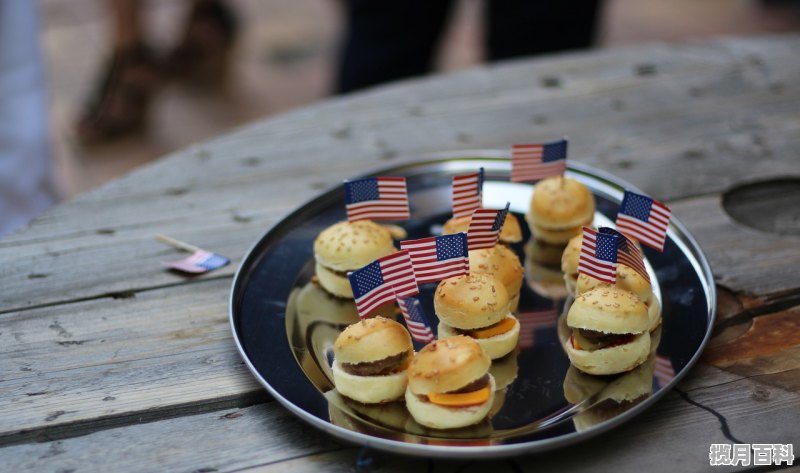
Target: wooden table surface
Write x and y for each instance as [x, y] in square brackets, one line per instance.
[110, 363]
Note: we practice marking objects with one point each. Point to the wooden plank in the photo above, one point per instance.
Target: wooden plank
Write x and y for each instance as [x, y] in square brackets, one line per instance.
[112, 361]
[663, 139]
[267, 438]
[742, 259]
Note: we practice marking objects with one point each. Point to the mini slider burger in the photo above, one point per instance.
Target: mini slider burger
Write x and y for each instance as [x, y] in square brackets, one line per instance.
[559, 208]
[629, 280]
[510, 232]
[609, 331]
[570, 259]
[345, 247]
[477, 305]
[502, 263]
[371, 360]
[449, 385]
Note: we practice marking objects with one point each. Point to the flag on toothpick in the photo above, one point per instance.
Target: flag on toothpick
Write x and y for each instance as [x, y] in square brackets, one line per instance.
[628, 253]
[644, 219]
[598, 257]
[530, 321]
[381, 281]
[484, 228]
[467, 193]
[534, 162]
[416, 322]
[437, 258]
[200, 261]
[377, 198]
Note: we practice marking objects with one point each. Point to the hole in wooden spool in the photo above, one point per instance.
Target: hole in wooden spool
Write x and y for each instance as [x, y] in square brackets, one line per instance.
[770, 206]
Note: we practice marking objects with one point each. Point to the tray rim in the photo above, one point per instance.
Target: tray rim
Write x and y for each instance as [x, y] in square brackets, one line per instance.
[676, 230]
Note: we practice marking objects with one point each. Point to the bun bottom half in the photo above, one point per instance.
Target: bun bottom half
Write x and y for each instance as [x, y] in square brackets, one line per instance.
[496, 347]
[611, 360]
[369, 389]
[335, 284]
[435, 416]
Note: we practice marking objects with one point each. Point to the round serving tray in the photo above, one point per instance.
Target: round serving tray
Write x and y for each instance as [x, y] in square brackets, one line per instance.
[284, 325]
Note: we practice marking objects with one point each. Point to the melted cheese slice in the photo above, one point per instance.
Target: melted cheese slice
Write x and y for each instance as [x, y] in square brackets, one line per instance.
[461, 399]
[492, 331]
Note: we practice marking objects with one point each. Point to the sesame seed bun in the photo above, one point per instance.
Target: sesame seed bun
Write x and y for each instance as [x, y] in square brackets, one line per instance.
[447, 365]
[471, 301]
[371, 340]
[627, 279]
[511, 231]
[608, 310]
[569, 261]
[333, 282]
[346, 246]
[560, 206]
[502, 263]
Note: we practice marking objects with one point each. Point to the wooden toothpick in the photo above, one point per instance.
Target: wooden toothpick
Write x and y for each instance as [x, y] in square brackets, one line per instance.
[181, 245]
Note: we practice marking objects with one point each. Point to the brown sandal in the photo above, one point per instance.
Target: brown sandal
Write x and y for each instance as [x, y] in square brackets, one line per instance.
[119, 104]
[202, 56]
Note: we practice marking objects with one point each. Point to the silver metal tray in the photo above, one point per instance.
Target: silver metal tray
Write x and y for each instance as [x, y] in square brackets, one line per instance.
[284, 325]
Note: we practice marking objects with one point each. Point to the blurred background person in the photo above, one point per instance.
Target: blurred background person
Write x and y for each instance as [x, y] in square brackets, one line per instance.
[389, 40]
[134, 72]
[26, 188]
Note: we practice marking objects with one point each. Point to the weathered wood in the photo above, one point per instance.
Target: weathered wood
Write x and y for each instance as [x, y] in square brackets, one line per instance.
[267, 438]
[158, 353]
[666, 137]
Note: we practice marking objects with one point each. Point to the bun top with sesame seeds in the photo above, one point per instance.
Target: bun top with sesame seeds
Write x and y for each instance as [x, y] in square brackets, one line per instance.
[447, 365]
[371, 340]
[346, 246]
[608, 310]
[560, 203]
[510, 232]
[471, 301]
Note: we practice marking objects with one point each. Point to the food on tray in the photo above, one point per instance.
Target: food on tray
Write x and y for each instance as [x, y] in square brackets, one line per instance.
[560, 207]
[609, 331]
[449, 385]
[347, 246]
[629, 280]
[510, 232]
[502, 263]
[371, 360]
[612, 398]
[477, 305]
[569, 262]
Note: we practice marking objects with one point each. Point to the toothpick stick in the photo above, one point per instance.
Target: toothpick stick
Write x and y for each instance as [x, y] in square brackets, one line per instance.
[181, 245]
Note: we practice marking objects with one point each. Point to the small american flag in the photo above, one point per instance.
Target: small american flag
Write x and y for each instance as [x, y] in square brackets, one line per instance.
[467, 193]
[628, 253]
[599, 255]
[416, 322]
[644, 218]
[437, 258]
[663, 371]
[201, 261]
[381, 281]
[530, 321]
[484, 228]
[377, 198]
[533, 162]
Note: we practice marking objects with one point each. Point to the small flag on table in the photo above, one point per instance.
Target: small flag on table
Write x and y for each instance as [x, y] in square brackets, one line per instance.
[416, 322]
[467, 193]
[644, 219]
[381, 281]
[377, 198]
[628, 253]
[534, 162]
[200, 261]
[484, 228]
[530, 321]
[598, 257]
[437, 258]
